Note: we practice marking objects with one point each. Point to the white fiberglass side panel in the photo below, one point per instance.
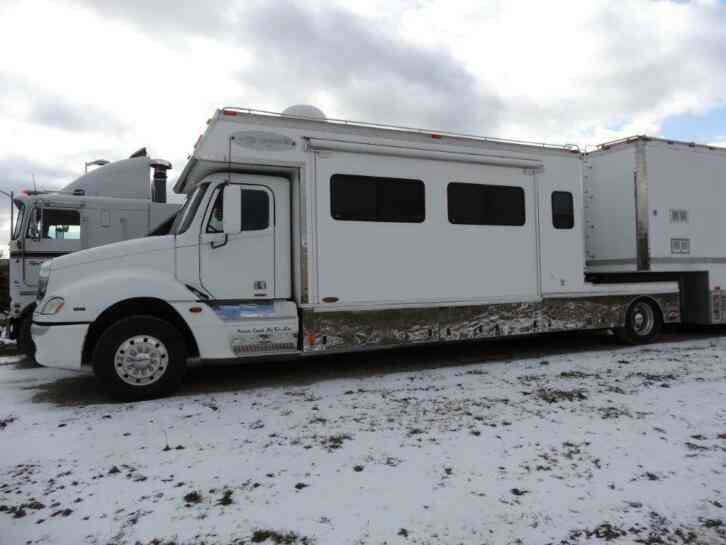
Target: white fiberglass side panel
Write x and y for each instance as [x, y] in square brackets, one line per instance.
[610, 208]
[431, 261]
[687, 199]
[126, 179]
[109, 222]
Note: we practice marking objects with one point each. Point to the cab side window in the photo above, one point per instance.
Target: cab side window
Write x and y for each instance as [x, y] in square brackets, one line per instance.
[215, 219]
[55, 224]
[255, 211]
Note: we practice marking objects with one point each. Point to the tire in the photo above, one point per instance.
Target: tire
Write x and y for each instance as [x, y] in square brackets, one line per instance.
[25, 339]
[140, 357]
[643, 323]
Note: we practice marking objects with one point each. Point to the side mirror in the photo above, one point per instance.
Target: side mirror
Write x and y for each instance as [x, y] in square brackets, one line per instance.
[232, 209]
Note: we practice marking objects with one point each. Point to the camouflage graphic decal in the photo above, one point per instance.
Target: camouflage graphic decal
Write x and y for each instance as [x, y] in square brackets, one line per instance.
[350, 330]
[347, 330]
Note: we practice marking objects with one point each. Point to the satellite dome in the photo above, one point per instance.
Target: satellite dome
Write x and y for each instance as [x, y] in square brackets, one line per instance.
[304, 110]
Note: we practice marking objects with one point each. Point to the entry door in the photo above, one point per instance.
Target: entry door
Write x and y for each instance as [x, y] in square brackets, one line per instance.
[241, 265]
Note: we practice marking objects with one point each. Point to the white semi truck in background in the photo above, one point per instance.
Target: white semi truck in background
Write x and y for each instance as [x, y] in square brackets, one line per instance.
[117, 201]
[303, 235]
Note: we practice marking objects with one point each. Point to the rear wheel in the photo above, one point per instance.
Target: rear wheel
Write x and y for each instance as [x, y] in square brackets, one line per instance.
[140, 357]
[643, 323]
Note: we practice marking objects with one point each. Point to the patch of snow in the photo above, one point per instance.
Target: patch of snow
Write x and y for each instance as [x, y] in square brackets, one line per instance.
[574, 448]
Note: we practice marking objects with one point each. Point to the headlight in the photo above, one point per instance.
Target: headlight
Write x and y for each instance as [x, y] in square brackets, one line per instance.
[53, 306]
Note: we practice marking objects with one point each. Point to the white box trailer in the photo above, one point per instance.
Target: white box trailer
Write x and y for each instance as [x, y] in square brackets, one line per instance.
[303, 235]
[118, 201]
[652, 213]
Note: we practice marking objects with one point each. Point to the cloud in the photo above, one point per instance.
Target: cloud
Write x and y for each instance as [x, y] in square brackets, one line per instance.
[372, 74]
[555, 74]
[304, 51]
[17, 172]
[21, 98]
[56, 113]
[189, 16]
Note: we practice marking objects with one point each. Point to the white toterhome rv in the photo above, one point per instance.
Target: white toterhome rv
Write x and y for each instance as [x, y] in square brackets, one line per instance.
[303, 236]
[652, 212]
[114, 202]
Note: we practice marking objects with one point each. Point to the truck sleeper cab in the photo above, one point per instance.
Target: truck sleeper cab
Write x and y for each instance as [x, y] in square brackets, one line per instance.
[316, 237]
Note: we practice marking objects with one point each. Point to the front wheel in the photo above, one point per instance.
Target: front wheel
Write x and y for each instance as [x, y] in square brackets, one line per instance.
[643, 323]
[140, 357]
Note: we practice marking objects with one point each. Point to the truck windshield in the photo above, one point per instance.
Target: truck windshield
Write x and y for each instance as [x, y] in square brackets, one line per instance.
[185, 216]
[19, 220]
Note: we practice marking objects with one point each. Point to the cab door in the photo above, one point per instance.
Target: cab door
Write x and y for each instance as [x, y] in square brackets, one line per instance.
[240, 266]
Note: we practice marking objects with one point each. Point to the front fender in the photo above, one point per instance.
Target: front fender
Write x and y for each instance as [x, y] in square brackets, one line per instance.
[88, 296]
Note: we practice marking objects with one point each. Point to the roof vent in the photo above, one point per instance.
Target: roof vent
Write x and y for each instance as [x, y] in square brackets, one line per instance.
[304, 110]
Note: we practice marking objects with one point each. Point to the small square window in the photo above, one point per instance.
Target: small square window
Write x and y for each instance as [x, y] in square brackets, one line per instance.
[563, 210]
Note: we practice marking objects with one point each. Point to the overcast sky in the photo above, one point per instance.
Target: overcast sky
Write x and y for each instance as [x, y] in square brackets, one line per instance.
[83, 79]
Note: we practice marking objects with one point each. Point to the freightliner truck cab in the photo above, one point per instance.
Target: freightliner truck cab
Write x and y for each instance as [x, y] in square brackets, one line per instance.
[115, 202]
[131, 307]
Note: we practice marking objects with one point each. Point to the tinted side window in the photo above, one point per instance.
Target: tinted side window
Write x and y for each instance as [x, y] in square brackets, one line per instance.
[477, 204]
[369, 198]
[255, 211]
[563, 210]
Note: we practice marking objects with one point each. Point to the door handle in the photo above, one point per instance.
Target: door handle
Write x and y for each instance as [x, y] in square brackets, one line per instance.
[219, 241]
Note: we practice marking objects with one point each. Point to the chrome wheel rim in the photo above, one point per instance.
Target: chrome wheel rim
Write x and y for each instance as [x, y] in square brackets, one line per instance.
[141, 360]
[643, 319]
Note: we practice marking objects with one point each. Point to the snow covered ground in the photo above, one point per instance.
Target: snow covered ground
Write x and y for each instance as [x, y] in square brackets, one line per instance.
[554, 440]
